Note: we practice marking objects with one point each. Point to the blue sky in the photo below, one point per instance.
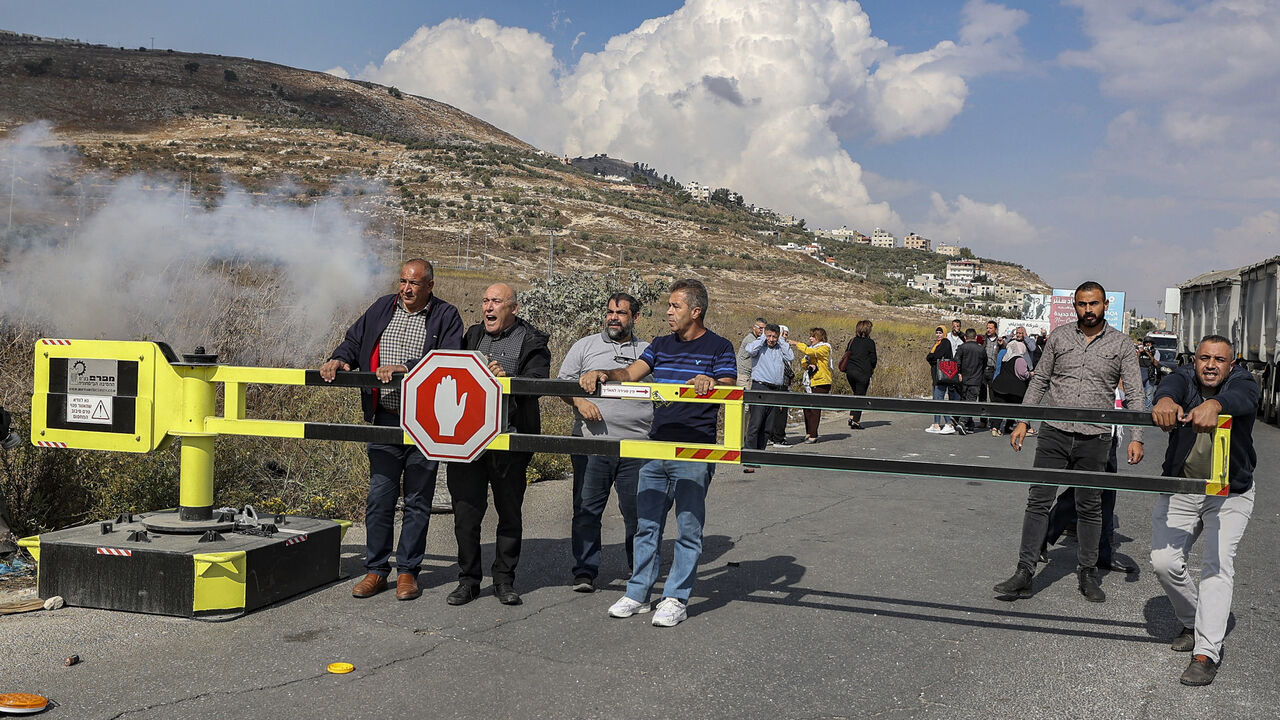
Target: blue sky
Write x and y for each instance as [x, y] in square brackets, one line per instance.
[1128, 141]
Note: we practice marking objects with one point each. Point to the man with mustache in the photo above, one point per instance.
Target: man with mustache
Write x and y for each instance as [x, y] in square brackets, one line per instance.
[392, 336]
[515, 348]
[690, 355]
[1081, 366]
[619, 419]
[1188, 403]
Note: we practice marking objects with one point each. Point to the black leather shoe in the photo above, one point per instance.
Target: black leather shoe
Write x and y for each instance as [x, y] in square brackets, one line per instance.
[1089, 586]
[463, 594]
[1185, 642]
[506, 594]
[1018, 586]
[1201, 671]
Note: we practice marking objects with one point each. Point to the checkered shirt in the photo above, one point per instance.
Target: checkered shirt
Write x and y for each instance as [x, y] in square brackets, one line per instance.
[400, 344]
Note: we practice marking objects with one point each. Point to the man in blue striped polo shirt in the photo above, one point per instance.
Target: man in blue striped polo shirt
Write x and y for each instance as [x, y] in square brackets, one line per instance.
[690, 355]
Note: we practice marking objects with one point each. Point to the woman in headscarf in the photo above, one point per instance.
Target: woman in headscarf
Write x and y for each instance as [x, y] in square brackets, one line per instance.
[1010, 383]
[941, 351]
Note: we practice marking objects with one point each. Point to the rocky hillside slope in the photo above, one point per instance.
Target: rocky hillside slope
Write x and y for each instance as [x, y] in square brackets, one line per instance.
[433, 180]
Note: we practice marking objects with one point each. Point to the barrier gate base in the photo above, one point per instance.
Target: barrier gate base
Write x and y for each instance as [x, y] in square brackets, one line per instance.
[178, 574]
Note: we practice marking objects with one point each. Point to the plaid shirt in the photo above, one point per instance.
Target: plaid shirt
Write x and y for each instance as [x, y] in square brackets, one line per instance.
[1074, 372]
[401, 343]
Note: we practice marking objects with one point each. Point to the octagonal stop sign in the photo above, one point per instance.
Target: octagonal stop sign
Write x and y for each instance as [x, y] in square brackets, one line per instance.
[450, 405]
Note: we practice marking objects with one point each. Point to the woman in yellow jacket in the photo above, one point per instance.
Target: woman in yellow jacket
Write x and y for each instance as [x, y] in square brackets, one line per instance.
[817, 362]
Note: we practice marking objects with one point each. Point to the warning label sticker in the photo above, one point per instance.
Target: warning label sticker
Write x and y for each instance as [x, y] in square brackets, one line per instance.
[86, 375]
[89, 409]
[623, 391]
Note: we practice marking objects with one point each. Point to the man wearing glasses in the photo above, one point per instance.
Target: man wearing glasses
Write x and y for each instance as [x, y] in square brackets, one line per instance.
[616, 346]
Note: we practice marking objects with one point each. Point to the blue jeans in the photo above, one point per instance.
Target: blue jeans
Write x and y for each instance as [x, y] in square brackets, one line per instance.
[663, 482]
[387, 464]
[593, 475]
[945, 392]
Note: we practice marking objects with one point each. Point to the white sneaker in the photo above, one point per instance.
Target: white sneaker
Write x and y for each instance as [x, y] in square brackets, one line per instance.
[626, 607]
[670, 613]
[933, 429]
[947, 430]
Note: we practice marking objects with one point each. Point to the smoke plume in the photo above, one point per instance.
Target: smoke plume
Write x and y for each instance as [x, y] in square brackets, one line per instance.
[257, 278]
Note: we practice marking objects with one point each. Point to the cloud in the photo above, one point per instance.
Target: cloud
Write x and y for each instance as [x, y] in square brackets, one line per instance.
[577, 39]
[760, 97]
[339, 71]
[969, 222]
[506, 76]
[1196, 80]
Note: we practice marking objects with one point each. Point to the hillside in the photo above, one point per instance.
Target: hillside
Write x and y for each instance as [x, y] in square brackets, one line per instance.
[430, 173]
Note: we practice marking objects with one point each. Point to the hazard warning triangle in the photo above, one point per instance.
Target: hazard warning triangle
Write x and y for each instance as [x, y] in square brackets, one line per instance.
[100, 412]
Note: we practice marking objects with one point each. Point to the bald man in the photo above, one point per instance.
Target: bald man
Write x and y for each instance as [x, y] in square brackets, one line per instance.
[514, 348]
[391, 337]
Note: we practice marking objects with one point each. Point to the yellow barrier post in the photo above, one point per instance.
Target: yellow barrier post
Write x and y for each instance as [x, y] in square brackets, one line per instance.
[195, 488]
[138, 397]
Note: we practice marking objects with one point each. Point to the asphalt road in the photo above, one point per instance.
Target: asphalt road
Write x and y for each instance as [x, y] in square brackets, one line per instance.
[821, 594]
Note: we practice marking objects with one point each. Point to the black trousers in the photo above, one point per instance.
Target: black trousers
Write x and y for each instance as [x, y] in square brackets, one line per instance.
[1065, 451]
[859, 386]
[469, 485]
[778, 424]
[761, 421]
[1063, 514]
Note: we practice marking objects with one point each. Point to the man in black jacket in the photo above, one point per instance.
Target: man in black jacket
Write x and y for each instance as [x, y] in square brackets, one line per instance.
[391, 337]
[1188, 404]
[972, 359]
[514, 348]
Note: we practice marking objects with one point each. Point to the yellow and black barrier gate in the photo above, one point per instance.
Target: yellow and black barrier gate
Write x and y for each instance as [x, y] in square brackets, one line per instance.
[202, 561]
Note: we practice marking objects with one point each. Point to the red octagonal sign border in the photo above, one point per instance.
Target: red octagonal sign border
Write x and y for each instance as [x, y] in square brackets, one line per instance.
[478, 420]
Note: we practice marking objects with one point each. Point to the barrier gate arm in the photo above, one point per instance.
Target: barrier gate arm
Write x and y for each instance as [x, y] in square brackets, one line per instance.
[235, 420]
[159, 398]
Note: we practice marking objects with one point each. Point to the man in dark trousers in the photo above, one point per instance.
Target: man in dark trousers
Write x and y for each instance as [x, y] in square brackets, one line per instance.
[514, 348]
[972, 359]
[1188, 404]
[391, 337]
[1081, 366]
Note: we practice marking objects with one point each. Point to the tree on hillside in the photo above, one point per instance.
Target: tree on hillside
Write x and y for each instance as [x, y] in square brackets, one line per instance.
[192, 67]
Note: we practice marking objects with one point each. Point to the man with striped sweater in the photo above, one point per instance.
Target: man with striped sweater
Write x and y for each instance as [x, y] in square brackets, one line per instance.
[690, 355]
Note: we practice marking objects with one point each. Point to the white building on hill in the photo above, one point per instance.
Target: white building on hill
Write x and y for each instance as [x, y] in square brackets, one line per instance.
[883, 239]
[962, 271]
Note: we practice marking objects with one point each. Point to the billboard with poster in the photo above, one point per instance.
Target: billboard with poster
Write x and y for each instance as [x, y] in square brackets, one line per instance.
[1034, 327]
[1115, 306]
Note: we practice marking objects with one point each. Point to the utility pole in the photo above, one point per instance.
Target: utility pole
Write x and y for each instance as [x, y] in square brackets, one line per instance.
[13, 173]
[551, 253]
[402, 216]
[457, 264]
[484, 264]
[468, 267]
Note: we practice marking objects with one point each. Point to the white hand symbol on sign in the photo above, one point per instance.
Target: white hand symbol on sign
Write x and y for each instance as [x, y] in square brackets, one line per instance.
[448, 405]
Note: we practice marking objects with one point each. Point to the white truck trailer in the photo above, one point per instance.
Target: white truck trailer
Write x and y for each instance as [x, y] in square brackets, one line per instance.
[1244, 305]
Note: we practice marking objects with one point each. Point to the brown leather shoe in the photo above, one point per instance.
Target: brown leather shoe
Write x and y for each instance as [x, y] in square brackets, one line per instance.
[371, 585]
[407, 587]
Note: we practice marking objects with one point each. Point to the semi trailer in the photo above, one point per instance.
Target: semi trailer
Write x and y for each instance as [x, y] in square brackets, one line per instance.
[1242, 304]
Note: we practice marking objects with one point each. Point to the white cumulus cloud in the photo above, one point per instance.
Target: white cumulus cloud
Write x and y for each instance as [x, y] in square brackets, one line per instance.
[968, 221]
[760, 97]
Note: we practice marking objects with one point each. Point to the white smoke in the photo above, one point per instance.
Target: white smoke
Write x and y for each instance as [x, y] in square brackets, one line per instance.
[258, 279]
